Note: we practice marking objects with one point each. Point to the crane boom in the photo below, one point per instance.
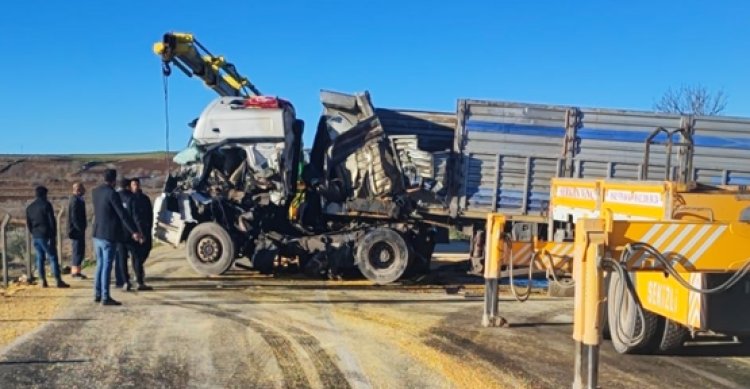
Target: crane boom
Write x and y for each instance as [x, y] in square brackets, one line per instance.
[192, 58]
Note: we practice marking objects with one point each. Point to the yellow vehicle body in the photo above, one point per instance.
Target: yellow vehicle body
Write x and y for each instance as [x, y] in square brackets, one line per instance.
[700, 230]
[697, 228]
[666, 297]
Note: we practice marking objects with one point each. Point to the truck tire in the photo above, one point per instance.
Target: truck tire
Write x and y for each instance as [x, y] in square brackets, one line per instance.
[382, 256]
[625, 315]
[673, 338]
[210, 249]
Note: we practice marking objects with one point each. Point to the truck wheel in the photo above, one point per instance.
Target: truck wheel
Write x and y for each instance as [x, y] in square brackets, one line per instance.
[673, 338]
[624, 322]
[210, 249]
[382, 256]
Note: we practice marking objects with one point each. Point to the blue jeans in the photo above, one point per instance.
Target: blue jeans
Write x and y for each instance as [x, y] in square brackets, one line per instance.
[105, 253]
[45, 249]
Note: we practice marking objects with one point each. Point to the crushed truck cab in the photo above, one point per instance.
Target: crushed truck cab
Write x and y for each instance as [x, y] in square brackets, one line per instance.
[244, 190]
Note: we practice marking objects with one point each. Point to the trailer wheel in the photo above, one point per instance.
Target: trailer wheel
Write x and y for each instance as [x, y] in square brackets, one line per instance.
[624, 322]
[382, 256]
[673, 338]
[210, 249]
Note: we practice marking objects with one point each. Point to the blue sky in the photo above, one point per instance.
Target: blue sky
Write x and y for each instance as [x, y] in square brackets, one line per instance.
[80, 77]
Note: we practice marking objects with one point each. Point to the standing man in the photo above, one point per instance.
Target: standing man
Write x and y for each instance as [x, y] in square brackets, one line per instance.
[77, 229]
[143, 214]
[122, 275]
[40, 220]
[110, 223]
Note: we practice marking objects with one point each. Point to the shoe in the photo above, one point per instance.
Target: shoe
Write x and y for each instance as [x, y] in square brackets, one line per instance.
[144, 287]
[79, 276]
[97, 299]
[127, 287]
[45, 284]
[111, 301]
[62, 284]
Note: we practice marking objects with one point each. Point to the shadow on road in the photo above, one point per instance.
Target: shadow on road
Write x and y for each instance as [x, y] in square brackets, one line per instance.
[44, 362]
[726, 349]
[266, 301]
[47, 320]
[539, 325]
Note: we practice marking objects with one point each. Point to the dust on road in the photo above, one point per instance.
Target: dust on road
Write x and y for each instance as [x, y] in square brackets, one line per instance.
[23, 308]
[251, 331]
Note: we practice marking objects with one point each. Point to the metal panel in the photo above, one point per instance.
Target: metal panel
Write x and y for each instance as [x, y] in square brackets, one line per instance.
[618, 137]
[722, 150]
[509, 153]
[423, 141]
[434, 130]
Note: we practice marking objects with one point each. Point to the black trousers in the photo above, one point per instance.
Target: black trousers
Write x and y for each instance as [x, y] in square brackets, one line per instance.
[136, 254]
[78, 247]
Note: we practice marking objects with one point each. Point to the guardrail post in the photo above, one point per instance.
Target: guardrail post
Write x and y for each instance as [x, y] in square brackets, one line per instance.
[29, 262]
[4, 239]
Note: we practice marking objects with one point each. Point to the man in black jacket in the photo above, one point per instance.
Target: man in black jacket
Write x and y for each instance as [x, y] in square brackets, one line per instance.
[40, 220]
[122, 275]
[143, 215]
[77, 229]
[110, 223]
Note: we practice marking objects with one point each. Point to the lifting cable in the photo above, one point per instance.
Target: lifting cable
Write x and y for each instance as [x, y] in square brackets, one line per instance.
[165, 82]
[628, 289]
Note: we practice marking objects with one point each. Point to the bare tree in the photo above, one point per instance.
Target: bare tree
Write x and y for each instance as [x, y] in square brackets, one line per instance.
[692, 100]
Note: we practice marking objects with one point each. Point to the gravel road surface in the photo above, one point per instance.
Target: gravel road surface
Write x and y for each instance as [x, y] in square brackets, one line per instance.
[245, 330]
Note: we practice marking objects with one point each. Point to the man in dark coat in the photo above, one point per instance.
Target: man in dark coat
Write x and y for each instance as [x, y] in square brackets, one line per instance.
[141, 210]
[110, 223]
[40, 220]
[122, 275]
[77, 229]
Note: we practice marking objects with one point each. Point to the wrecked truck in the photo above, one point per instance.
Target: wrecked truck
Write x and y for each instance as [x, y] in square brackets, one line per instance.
[244, 189]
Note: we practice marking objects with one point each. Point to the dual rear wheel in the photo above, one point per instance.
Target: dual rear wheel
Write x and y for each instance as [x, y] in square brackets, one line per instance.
[634, 330]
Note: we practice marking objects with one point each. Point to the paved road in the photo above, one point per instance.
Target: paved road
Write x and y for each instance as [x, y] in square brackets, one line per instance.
[250, 331]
